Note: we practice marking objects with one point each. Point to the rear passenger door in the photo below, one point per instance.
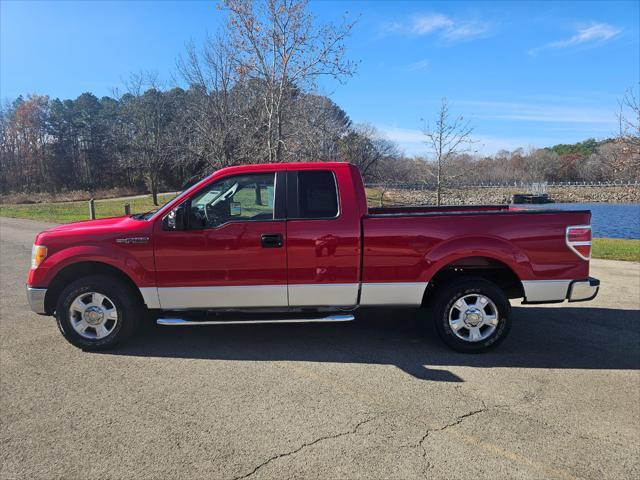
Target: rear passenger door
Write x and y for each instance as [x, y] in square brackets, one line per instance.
[323, 241]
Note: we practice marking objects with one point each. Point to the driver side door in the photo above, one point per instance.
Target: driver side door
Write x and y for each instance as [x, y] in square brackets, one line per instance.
[232, 252]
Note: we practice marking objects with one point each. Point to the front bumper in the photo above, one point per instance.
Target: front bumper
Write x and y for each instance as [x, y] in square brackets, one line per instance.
[36, 299]
[583, 290]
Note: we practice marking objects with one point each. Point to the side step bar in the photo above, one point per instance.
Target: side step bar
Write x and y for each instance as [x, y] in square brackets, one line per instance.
[328, 319]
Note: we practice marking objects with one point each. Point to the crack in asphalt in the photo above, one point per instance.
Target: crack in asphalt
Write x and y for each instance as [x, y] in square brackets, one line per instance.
[305, 445]
[354, 430]
[457, 421]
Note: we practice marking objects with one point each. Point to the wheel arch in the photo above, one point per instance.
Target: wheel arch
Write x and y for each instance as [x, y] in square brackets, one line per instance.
[81, 269]
[486, 267]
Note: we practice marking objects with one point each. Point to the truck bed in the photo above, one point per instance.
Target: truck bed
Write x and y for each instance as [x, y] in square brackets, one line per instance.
[411, 244]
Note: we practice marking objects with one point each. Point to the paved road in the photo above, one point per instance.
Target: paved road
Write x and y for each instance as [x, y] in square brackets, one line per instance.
[371, 399]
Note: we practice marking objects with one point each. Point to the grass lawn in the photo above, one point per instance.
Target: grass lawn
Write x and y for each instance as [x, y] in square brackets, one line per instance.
[616, 249]
[65, 212]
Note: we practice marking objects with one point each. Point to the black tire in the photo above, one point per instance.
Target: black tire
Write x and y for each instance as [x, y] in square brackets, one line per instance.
[129, 309]
[456, 289]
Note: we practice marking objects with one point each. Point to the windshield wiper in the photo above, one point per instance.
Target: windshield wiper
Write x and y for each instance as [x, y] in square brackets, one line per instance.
[144, 216]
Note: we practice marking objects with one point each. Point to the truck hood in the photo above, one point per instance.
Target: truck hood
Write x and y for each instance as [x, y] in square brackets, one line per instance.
[111, 223]
[94, 230]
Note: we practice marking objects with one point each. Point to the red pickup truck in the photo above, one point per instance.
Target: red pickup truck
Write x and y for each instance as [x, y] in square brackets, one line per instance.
[296, 242]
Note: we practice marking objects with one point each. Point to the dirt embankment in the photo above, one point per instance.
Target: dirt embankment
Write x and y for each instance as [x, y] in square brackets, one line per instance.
[500, 195]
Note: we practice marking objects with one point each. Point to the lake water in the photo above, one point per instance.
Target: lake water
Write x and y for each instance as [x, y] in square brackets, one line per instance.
[611, 220]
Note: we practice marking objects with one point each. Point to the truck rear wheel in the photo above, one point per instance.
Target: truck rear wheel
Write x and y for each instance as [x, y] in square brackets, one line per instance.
[97, 312]
[471, 314]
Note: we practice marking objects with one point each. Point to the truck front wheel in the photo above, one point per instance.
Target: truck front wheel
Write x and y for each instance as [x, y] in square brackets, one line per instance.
[471, 314]
[97, 312]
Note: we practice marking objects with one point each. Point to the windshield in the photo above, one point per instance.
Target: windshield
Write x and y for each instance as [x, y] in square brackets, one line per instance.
[235, 198]
[148, 214]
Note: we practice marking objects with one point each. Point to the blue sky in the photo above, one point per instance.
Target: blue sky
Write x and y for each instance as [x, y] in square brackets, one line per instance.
[524, 73]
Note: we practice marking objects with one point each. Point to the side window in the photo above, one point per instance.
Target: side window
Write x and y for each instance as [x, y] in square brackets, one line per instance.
[241, 197]
[317, 194]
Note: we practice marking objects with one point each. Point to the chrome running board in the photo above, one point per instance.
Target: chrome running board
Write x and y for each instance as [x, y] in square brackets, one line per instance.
[328, 319]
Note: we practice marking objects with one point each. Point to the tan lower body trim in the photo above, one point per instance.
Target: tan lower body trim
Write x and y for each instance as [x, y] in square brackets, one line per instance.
[401, 294]
[242, 296]
[545, 290]
[323, 295]
[299, 295]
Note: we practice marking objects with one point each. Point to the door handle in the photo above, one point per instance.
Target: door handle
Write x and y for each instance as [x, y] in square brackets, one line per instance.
[271, 241]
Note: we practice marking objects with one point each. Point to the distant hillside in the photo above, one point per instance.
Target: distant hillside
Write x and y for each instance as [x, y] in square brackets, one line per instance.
[584, 149]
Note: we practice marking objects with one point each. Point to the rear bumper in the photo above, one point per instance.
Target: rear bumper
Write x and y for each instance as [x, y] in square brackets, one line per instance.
[557, 291]
[35, 296]
[583, 290]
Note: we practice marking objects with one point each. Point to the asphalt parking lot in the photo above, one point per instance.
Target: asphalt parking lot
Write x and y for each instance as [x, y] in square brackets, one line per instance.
[370, 399]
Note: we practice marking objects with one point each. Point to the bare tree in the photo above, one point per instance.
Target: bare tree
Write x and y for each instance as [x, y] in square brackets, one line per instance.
[629, 117]
[366, 147]
[317, 127]
[221, 126]
[542, 165]
[150, 117]
[448, 136]
[622, 157]
[277, 44]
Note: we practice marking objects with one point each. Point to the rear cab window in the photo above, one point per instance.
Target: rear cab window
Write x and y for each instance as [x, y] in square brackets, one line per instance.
[317, 195]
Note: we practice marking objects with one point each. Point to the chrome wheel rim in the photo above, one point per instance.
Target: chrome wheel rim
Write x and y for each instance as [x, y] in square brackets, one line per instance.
[473, 317]
[93, 315]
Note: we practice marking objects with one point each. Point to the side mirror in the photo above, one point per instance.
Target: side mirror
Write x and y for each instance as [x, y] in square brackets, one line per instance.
[176, 218]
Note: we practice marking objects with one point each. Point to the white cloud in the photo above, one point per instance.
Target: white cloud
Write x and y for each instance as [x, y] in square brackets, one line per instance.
[424, 24]
[403, 135]
[466, 31]
[547, 113]
[419, 65]
[594, 34]
[412, 141]
[390, 27]
[446, 28]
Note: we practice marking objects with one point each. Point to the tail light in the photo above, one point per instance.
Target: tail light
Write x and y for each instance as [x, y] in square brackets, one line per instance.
[578, 239]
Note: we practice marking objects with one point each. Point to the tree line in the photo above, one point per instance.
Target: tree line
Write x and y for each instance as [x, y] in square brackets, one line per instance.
[251, 96]
[163, 139]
